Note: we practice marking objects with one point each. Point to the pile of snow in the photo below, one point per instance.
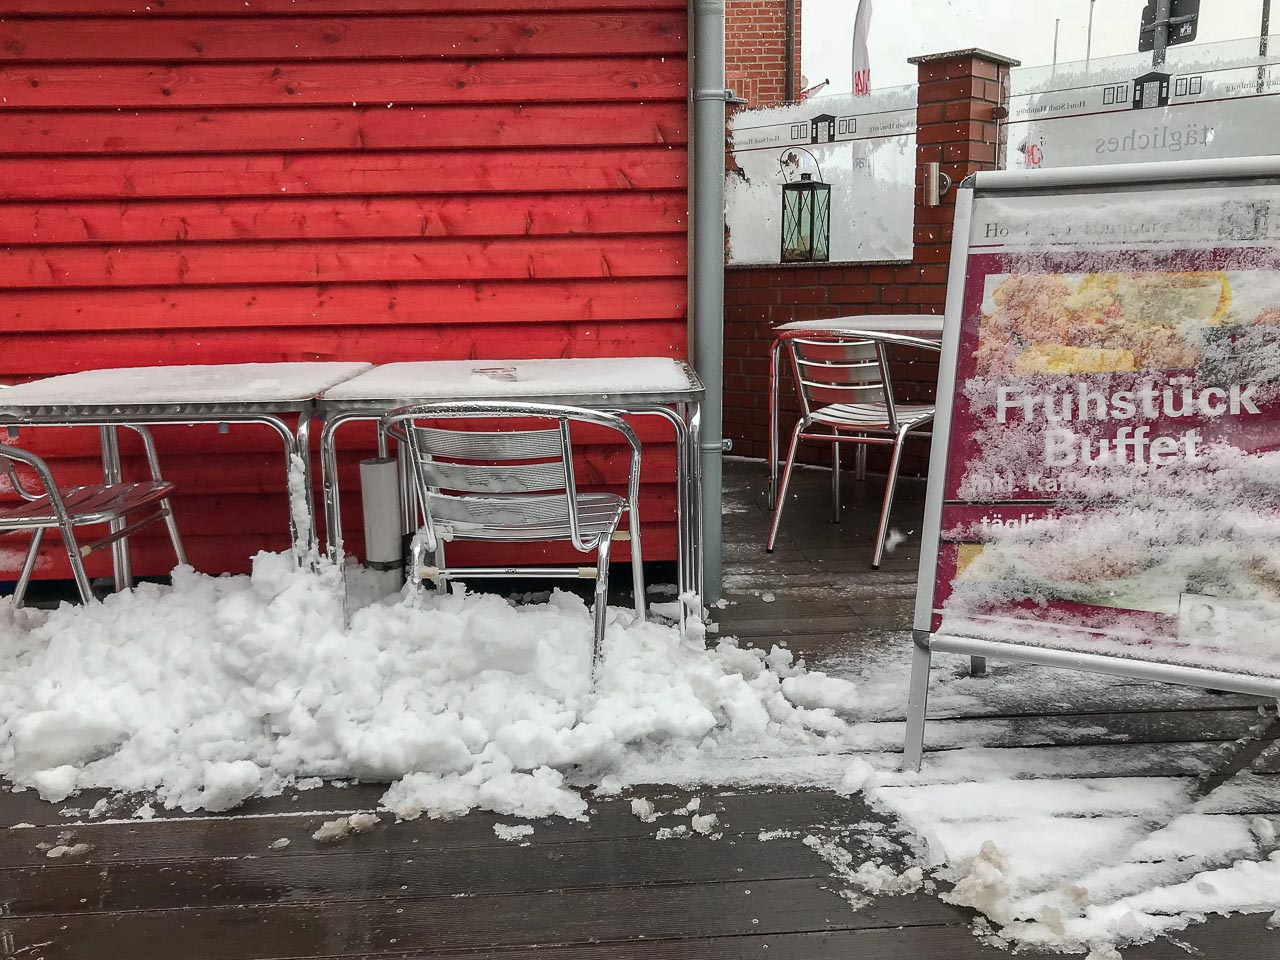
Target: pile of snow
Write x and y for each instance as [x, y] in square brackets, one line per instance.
[215, 690]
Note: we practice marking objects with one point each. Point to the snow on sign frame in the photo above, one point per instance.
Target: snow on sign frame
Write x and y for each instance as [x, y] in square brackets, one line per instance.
[1104, 485]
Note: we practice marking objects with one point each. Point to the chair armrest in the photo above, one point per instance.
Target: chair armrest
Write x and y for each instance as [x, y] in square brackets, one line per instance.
[10, 455]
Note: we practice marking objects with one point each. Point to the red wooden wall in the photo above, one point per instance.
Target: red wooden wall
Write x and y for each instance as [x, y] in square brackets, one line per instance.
[202, 181]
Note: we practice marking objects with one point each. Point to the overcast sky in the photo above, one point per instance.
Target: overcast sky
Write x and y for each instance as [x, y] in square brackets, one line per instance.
[1022, 29]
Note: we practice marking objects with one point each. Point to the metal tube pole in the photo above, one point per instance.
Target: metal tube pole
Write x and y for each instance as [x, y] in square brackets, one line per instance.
[1161, 35]
[1056, 24]
[121, 565]
[1264, 38]
[708, 267]
[1088, 44]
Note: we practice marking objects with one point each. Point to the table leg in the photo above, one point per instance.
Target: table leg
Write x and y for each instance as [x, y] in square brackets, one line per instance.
[303, 513]
[297, 475]
[696, 519]
[408, 491]
[774, 352]
[332, 496]
[122, 566]
[677, 420]
[684, 555]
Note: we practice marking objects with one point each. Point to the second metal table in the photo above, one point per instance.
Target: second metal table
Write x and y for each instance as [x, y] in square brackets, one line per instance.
[912, 330]
[639, 386]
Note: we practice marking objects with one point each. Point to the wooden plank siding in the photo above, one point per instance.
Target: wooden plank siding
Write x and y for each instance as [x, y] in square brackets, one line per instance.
[205, 181]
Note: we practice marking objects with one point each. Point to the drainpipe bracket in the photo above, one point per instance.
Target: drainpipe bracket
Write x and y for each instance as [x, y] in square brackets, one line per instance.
[725, 95]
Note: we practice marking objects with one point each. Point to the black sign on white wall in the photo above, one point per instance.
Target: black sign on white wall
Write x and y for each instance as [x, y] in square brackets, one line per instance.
[1183, 22]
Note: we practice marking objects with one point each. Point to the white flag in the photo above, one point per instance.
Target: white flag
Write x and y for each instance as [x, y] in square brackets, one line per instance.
[861, 59]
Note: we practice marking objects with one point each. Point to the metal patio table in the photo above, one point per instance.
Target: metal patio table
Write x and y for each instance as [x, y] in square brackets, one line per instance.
[260, 393]
[634, 386]
[909, 330]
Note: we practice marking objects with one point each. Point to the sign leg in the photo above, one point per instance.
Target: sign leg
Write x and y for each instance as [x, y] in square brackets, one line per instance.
[917, 703]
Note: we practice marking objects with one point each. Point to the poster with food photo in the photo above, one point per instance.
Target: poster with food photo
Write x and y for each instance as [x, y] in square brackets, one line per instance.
[1113, 476]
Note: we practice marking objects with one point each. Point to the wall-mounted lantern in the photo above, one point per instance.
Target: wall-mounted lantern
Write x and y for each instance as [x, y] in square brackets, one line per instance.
[806, 213]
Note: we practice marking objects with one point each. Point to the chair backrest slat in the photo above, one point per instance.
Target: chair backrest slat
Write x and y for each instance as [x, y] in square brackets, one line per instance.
[495, 511]
[503, 478]
[840, 370]
[461, 444]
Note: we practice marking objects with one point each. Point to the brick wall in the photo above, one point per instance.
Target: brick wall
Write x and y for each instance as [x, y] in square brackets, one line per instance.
[956, 127]
[755, 55]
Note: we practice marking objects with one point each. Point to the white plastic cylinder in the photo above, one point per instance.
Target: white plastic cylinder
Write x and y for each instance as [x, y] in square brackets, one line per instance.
[380, 496]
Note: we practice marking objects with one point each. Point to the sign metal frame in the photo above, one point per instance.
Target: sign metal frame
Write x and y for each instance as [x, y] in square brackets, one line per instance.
[1064, 181]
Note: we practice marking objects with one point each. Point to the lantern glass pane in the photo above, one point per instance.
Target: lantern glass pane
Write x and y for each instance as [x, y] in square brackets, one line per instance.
[797, 223]
[821, 246]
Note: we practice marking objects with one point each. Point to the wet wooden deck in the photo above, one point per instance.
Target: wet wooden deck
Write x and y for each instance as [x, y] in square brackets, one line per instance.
[221, 887]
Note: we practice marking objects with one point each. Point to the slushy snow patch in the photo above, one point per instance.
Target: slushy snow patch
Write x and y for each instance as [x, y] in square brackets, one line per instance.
[332, 830]
[514, 831]
[61, 850]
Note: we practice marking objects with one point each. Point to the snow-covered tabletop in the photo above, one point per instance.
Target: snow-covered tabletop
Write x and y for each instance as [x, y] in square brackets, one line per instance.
[919, 325]
[227, 383]
[657, 379]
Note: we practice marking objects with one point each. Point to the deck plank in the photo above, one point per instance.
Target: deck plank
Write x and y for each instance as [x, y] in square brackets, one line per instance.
[262, 877]
[221, 835]
[343, 929]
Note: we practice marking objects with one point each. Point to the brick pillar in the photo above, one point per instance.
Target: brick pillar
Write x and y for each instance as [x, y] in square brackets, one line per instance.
[956, 125]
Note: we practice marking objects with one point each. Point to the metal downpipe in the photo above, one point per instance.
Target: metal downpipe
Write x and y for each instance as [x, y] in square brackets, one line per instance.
[707, 299]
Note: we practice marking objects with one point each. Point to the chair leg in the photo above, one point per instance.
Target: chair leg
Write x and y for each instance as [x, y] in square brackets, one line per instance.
[885, 507]
[174, 537]
[442, 584]
[601, 604]
[637, 562]
[782, 487]
[417, 550]
[28, 568]
[153, 463]
[860, 463]
[77, 562]
[835, 478]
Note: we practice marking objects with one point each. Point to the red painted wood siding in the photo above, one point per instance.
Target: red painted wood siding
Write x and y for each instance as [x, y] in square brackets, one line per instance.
[203, 181]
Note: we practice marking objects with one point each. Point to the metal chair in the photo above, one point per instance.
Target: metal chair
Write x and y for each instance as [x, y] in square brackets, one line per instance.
[844, 385]
[88, 505]
[514, 483]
